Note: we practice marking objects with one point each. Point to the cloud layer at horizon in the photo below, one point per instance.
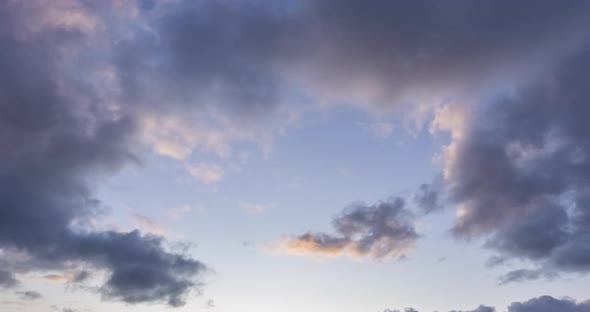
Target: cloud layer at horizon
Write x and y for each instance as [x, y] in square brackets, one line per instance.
[539, 304]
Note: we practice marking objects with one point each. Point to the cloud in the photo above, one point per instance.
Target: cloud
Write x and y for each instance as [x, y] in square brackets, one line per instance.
[206, 173]
[253, 208]
[29, 295]
[481, 308]
[549, 304]
[380, 231]
[86, 87]
[7, 279]
[449, 49]
[81, 277]
[428, 197]
[178, 212]
[67, 277]
[149, 225]
[381, 129]
[517, 170]
[176, 138]
[62, 129]
[525, 275]
[539, 304]
[180, 60]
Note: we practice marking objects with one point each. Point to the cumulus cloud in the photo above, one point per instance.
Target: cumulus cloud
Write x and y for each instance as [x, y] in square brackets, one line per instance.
[248, 66]
[539, 304]
[549, 304]
[379, 231]
[381, 54]
[517, 170]
[60, 129]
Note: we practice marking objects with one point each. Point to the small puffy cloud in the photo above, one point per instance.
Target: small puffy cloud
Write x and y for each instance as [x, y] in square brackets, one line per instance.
[428, 198]
[384, 230]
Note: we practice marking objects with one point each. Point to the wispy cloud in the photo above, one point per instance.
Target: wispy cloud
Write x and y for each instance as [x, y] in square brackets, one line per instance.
[253, 208]
[206, 173]
[177, 213]
[381, 129]
[149, 225]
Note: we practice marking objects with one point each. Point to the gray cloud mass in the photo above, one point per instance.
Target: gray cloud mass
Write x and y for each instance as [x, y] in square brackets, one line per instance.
[57, 135]
[382, 230]
[521, 170]
[7, 279]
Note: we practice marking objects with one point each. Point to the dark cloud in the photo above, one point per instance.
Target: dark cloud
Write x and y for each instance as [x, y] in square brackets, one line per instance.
[428, 197]
[539, 304]
[7, 279]
[382, 230]
[246, 58]
[206, 55]
[520, 170]
[495, 260]
[81, 276]
[59, 134]
[549, 304]
[29, 295]
[380, 53]
[525, 275]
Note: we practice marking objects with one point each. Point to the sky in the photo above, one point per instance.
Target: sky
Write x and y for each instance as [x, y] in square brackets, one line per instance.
[294, 155]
